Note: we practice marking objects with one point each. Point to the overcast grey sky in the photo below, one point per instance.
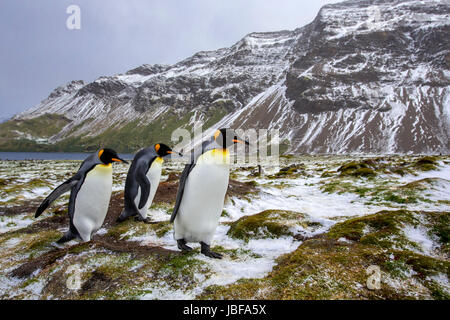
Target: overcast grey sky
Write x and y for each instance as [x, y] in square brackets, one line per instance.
[38, 53]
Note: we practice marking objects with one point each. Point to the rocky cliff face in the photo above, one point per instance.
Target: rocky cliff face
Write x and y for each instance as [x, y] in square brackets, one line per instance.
[364, 76]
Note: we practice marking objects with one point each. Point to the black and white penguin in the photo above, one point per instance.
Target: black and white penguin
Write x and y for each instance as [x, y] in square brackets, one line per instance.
[91, 189]
[201, 193]
[143, 180]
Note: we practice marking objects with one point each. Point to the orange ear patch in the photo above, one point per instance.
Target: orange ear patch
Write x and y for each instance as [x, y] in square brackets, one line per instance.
[100, 153]
[157, 146]
[216, 134]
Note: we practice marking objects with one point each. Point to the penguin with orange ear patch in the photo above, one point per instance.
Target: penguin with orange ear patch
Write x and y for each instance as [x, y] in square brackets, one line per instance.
[201, 193]
[143, 180]
[91, 189]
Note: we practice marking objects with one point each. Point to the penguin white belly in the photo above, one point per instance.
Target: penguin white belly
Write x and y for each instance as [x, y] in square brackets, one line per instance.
[92, 201]
[154, 176]
[202, 202]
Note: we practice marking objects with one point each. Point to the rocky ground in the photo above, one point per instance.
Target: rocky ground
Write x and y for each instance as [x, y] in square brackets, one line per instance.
[307, 229]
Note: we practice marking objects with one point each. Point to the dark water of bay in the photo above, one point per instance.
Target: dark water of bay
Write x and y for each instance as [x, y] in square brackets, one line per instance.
[50, 156]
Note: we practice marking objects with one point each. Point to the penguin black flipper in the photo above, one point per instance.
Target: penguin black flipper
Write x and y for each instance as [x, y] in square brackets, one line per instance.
[187, 169]
[143, 183]
[183, 178]
[72, 184]
[62, 188]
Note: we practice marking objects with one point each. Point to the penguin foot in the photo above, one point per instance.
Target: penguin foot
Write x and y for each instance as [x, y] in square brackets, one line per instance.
[182, 245]
[146, 220]
[66, 237]
[149, 221]
[206, 250]
[121, 219]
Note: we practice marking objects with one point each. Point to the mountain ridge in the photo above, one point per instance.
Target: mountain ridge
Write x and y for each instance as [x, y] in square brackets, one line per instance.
[363, 76]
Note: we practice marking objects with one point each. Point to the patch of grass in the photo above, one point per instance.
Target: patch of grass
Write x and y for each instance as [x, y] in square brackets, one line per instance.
[323, 268]
[293, 171]
[441, 227]
[437, 291]
[161, 228]
[389, 196]
[426, 163]
[266, 224]
[327, 174]
[382, 191]
[129, 228]
[382, 229]
[337, 186]
[356, 169]
[396, 268]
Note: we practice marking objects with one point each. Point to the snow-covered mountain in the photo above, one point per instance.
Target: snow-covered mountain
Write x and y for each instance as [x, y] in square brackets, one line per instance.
[364, 76]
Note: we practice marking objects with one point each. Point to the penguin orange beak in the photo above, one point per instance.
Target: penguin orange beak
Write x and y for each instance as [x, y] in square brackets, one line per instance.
[170, 153]
[119, 160]
[241, 141]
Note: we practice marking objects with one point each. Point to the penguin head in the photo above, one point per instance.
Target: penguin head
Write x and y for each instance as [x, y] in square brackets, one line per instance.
[163, 150]
[108, 156]
[227, 137]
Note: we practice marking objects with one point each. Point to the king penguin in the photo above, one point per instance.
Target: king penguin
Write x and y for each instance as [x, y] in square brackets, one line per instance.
[142, 181]
[91, 189]
[201, 192]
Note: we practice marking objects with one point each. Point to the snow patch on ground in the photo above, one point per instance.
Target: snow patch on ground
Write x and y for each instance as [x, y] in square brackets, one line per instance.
[420, 236]
[11, 223]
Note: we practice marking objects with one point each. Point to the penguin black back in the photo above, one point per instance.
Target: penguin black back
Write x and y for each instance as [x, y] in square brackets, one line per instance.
[103, 157]
[139, 185]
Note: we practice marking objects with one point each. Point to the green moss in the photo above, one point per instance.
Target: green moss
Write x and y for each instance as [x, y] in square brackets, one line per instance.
[44, 240]
[266, 224]
[337, 186]
[362, 191]
[364, 172]
[185, 266]
[356, 169]
[381, 229]
[384, 229]
[224, 213]
[437, 291]
[353, 165]
[79, 248]
[4, 182]
[328, 174]
[425, 267]
[426, 163]
[396, 268]
[161, 228]
[323, 268]
[389, 196]
[28, 282]
[385, 192]
[129, 228]
[293, 171]
[36, 183]
[252, 183]
[441, 227]
[317, 269]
